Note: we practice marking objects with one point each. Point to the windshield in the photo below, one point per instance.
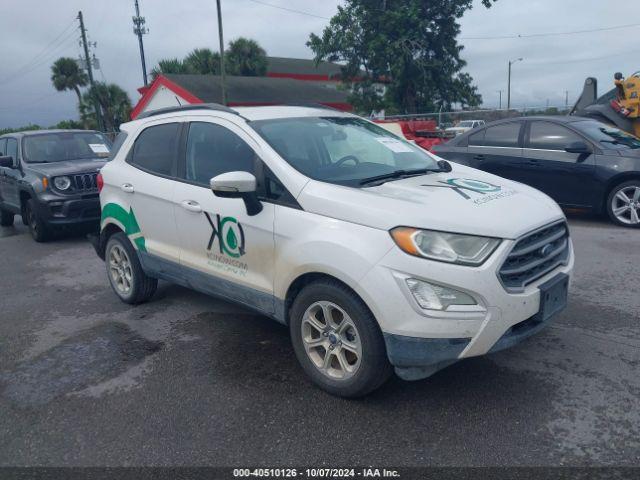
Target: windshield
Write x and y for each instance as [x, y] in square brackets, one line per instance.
[63, 146]
[612, 137]
[341, 150]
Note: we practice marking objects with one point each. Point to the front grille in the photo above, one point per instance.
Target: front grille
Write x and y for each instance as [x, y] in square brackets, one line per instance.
[85, 182]
[535, 255]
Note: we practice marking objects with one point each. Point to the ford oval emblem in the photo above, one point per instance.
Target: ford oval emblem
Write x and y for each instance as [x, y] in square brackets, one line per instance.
[546, 250]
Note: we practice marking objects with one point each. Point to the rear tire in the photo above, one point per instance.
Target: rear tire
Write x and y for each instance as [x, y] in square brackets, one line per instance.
[40, 231]
[6, 218]
[357, 362]
[623, 204]
[125, 273]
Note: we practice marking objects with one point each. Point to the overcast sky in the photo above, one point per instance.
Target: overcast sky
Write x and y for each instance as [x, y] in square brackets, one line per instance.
[33, 33]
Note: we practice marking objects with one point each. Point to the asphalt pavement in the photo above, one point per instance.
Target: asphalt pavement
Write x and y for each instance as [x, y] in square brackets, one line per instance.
[186, 379]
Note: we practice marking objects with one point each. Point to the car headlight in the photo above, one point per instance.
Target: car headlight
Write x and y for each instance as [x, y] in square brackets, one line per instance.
[436, 297]
[62, 183]
[445, 247]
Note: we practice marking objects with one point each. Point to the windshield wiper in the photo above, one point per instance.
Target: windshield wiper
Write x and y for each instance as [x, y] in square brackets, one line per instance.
[397, 174]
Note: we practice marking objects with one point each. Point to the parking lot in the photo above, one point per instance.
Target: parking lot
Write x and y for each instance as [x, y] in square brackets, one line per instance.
[191, 380]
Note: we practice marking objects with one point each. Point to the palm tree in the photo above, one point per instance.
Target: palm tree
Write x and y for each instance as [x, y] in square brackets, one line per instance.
[169, 65]
[203, 61]
[67, 75]
[246, 57]
[114, 103]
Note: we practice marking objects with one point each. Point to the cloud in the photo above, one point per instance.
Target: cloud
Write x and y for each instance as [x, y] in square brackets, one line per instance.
[551, 66]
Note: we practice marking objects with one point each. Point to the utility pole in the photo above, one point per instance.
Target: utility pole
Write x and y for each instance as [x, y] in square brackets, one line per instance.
[500, 101]
[222, 75]
[139, 29]
[96, 104]
[566, 99]
[511, 62]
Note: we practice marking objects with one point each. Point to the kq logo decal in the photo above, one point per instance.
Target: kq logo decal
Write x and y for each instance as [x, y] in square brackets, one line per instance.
[229, 233]
[465, 186]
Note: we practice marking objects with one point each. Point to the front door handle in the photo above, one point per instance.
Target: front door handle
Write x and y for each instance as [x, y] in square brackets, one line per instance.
[191, 206]
[127, 187]
[479, 157]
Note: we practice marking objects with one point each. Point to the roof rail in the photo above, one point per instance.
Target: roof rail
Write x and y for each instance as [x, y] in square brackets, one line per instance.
[181, 108]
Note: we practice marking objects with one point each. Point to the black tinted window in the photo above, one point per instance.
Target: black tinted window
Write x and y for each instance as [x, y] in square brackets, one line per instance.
[156, 149]
[477, 138]
[503, 135]
[212, 150]
[12, 148]
[3, 144]
[551, 136]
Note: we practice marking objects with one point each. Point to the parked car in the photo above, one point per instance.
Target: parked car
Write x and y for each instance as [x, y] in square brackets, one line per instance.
[580, 163]
[49, 177]
[465, 126]
[373, 252]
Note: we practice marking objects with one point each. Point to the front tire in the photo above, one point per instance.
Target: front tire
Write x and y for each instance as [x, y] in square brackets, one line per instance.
[40, 231]
[337, 340]
[125, 273]
[623, 204]
[6, 218]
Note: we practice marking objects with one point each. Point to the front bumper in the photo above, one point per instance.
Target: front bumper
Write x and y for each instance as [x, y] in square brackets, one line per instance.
[420, 342]
[63, 210]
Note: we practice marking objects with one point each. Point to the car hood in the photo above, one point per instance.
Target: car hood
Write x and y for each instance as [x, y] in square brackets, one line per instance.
[464, 200]
[53, 169]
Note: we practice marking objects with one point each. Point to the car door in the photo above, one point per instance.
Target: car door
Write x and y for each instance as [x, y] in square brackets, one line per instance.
[497, 149]
[568, 178]
[146, 182]
[226, 251]
[12, 176]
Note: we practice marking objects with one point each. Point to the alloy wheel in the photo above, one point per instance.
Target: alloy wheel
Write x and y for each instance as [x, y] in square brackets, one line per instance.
[331, 340]
[626, 205]
[120, 270]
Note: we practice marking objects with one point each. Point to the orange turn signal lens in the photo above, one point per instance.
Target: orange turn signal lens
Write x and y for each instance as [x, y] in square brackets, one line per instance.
[45, 183]
[403, 236]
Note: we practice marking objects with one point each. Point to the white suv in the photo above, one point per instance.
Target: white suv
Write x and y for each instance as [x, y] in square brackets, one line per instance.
[375, 253]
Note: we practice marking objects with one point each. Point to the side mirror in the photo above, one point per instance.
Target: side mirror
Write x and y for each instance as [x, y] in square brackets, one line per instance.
[6, 162]
[444, 166]
[577, 147]
[238, 185]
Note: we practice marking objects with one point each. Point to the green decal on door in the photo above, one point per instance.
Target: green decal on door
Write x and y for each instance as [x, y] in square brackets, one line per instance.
[128, 222]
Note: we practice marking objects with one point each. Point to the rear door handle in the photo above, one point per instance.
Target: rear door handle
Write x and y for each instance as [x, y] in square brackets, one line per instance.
[479, 157]
[533, 163]
[191, 206]
[127, 187]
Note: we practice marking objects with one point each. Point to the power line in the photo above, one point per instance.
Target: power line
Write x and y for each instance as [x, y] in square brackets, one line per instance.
[66, 42]
[43, 53]
[551, 34]
[290, 10]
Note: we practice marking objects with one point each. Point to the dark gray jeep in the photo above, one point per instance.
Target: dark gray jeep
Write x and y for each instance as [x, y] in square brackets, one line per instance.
[50, 178]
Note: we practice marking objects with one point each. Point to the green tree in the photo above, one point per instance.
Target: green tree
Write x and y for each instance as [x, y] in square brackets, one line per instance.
[114, 104]
[67, 75]
[169, 65]
[408, 45]
[246, 57]
[203, 61]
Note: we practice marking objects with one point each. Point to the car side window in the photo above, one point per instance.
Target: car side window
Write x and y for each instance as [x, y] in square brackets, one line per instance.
[213, 149]
[3, 145]
[155, 150]
[12, 148]
[502, 135]
[551, 136]
[477, 139]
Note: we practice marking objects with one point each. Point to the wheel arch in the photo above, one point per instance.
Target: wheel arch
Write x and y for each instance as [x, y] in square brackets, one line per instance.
[613, 183]
[307, 278]
[109, 229]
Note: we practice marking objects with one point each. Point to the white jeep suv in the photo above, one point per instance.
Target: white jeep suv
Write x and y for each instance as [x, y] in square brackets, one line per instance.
[375, 253]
